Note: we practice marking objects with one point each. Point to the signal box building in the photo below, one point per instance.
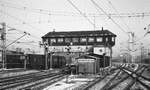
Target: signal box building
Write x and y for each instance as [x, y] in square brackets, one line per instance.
[73, 44]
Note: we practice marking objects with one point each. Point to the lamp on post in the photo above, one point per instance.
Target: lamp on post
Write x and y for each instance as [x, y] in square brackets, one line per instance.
[46, 53]
[46, 47]
[68, 48]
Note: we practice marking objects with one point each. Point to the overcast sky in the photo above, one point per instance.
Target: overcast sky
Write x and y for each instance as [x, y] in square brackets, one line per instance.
[39, 17]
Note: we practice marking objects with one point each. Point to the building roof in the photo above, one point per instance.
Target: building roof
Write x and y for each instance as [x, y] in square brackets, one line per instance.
[79, 33]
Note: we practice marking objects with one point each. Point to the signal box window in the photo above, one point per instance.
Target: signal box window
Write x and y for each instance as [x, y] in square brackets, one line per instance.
[113, 39]
[106, 39]
[60, 40]
[83, 40]
[53, 40]
[91, 39]
[75, 39]
[67, 40]
[99, 39]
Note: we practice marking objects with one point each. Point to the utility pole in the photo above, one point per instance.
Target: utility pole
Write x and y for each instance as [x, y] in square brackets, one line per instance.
[45, 44]
[141, 52]
[51, 56]
[131, 43]
[3, 38]
[46, 55]
[68, 48]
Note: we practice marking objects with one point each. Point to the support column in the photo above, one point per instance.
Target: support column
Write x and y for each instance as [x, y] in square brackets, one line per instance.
[46, 57]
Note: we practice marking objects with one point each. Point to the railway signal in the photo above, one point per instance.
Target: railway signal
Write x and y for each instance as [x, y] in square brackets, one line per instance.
[45, 44]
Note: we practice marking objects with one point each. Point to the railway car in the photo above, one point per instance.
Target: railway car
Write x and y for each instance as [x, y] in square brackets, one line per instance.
[58, 61]
[15, 61]
[35, 61]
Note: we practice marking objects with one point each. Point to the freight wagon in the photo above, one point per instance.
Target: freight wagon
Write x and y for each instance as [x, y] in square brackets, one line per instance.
[145, 61]
[34, 61]
[15, 61]
[58, 61]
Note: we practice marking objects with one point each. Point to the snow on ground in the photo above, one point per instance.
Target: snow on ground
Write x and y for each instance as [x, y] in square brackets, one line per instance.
[73, 82]
[102, 83]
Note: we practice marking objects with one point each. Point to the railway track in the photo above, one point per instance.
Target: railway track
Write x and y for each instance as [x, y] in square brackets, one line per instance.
[124, 79]
[11, 71]
[137, 78]
[21, 80]
[97, 80]
[127, 80]
[40, 84]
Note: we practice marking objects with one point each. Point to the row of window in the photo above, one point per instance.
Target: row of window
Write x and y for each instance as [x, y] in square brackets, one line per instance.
[81, 39]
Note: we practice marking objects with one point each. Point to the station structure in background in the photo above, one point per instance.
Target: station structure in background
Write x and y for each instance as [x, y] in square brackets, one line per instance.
[72, 44]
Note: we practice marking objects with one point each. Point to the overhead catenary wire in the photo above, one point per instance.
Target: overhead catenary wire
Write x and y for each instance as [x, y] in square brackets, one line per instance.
[22, 31]
[23, 23]
[141, 38]
[25, 33]
[119, 15]
[20, 20]
[63, 13]
[16, 41]
[122, 20]
[98, 7]
[82, 13]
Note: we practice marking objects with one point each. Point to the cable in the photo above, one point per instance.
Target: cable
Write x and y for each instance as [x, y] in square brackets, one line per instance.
[63, 13]
[21, 31]
[23, 22]
[18, 42]
[17, 39]
[118, 14]
[98, 7]
[81, 13]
